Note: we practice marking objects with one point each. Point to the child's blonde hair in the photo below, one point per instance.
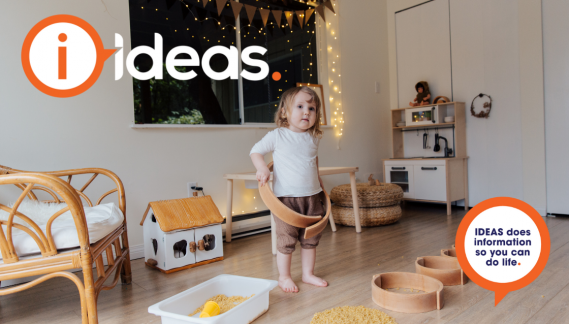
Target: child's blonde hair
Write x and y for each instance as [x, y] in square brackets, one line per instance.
[287, 100]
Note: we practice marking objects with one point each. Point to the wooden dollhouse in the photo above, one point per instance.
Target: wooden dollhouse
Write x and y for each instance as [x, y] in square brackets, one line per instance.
[182, 233]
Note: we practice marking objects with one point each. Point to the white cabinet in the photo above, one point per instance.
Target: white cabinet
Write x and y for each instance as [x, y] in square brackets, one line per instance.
[437, 180]
[430, 182]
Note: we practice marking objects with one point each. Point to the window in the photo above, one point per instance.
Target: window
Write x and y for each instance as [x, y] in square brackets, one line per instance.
[201, 100]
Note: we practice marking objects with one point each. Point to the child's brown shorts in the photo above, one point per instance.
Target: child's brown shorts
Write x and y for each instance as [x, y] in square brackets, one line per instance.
[288, 235]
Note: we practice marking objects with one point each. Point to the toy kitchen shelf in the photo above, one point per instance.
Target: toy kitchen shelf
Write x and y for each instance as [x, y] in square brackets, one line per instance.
[430, 178]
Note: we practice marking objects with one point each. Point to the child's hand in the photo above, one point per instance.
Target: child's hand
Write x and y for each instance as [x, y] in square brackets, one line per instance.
[263, 176]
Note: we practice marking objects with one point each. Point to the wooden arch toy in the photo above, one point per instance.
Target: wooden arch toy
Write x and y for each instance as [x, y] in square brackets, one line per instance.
[430, 299]
[448, 253]
[446, 270]
[313, 224]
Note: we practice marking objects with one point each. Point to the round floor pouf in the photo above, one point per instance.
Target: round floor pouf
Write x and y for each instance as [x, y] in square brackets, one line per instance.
[386, 194]
[375, 216]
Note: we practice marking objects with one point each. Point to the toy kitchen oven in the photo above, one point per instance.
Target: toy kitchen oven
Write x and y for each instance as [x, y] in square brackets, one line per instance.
[424, 115]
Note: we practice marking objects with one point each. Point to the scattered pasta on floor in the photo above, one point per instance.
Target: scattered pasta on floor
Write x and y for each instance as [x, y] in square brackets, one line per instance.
[352, 315]
[225, 303]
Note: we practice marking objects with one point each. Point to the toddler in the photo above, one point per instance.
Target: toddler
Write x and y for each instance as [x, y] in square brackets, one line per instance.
[296, 181]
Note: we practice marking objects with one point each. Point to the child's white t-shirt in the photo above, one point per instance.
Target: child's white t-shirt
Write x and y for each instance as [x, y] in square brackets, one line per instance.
[295, 173]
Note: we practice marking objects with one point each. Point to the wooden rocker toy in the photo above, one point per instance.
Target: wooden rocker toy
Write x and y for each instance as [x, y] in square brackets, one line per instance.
[443, 268]
[313, 224]
[429, 296]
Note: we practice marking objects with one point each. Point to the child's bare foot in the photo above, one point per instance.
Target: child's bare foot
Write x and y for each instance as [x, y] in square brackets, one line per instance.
[287, 285]
[313, 280]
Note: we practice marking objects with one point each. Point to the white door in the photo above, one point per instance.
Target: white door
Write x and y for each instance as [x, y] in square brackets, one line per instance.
[213, 242]
[402, 175]
[430, 182]
[556, 83]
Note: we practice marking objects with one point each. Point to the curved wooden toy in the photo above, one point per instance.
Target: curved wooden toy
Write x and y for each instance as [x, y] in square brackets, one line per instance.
[430, 299]
[448, 253]
[313, 224]
[442, 268]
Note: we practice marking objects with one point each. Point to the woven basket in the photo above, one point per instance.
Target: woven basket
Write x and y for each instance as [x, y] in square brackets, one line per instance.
[368, 216]
[387, 194]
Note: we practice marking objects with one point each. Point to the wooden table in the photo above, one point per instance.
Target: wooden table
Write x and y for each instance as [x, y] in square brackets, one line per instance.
[252, 176]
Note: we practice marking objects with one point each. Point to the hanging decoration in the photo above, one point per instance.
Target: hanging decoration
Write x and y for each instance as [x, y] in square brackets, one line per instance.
[484, 113]
[220, 6]
[302, 15]
[251, 10]
[264, 15]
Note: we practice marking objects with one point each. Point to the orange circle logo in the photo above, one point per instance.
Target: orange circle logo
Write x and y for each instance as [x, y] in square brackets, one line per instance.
[63, 56]
[276, 76]
[502, 244]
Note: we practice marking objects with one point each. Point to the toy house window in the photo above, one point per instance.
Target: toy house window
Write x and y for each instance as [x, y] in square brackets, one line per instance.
[155, 245]
[180, 249]
[209, 242]
[202, 100]
[153, 218]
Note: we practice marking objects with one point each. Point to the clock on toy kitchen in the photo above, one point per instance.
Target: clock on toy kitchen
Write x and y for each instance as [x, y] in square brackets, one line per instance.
[182, 233]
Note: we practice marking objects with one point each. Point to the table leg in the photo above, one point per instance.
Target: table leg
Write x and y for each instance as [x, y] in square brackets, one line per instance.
[355, 202]
[332, 224]
[273, 230]
[228, 211]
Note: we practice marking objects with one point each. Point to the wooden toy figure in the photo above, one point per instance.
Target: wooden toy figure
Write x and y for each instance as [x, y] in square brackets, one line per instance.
[423, 94]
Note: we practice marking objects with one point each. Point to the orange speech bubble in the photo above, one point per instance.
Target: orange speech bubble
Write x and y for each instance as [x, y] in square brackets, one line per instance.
[102, 54]
[494, 268]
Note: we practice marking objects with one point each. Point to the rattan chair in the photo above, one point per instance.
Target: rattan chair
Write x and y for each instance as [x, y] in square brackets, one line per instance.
[52, 263]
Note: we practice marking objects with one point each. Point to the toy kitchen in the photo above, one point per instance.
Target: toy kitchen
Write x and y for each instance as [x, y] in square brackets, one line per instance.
[429, 153]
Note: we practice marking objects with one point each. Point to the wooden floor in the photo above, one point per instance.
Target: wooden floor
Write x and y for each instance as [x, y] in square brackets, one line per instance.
[346, 259]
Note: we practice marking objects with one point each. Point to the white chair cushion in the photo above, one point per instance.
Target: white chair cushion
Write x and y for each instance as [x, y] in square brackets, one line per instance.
[101, 221]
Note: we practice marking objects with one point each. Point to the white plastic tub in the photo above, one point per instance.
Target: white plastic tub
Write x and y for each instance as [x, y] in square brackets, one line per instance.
[175, 310]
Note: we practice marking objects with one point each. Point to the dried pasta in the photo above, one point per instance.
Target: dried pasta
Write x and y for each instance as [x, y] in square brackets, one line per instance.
[225, 303]
[352, 315]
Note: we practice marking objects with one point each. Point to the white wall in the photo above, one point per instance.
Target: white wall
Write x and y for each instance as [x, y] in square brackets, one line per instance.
[490, 42]
[93, 129]
[423, 30]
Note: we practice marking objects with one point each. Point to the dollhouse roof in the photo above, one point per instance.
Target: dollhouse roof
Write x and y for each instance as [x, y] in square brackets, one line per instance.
[184, 213]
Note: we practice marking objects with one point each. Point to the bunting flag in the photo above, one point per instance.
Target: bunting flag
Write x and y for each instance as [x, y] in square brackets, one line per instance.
[250, 12]
[236, 6]
[300, 16]
[308, 14]
[320, 10]
[264, 15]
[288, 16]
[330, 5]
[278, 14]
[220, 6]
